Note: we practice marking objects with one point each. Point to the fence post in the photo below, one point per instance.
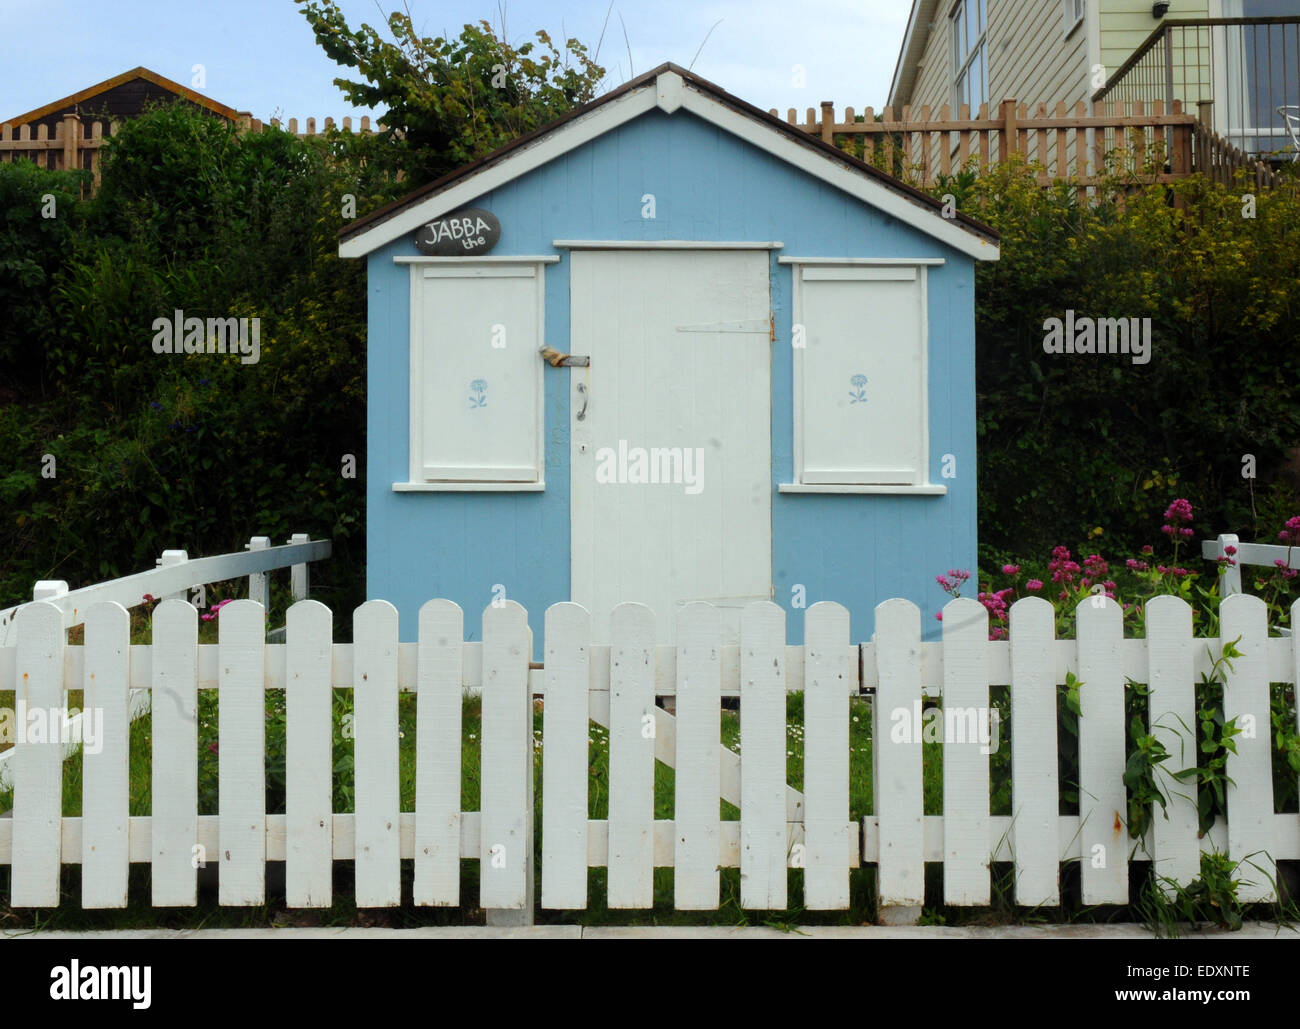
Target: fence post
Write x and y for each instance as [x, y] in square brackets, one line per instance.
[71, 142]
[1229, 575]
[49, 589]
[1007, 135]
[828, 121]
[259, 583]
[300, 581]
[174, 557]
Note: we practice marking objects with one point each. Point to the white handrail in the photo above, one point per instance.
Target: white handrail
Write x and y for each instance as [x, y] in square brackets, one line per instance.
[178, 574]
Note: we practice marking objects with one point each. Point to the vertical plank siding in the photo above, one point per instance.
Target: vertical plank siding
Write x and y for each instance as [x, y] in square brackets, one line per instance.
[616, 683]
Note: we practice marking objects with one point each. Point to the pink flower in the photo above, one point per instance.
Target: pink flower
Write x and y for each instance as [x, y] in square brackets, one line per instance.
[215, 610]
[939, 615]
[1010, 569]
[1229, 550]
[1136, 566]
[1034, 585]
[1291, 534]
[1179, 511]
[1148, 549]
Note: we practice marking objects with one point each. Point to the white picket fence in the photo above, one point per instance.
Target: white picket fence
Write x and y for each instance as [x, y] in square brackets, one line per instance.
[615, 684]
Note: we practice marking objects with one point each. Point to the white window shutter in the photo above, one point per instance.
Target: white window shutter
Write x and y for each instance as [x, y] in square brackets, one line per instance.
[860, 379]
[476, 376]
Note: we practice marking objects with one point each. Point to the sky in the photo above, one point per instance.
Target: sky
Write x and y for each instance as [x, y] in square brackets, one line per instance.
[260, 56]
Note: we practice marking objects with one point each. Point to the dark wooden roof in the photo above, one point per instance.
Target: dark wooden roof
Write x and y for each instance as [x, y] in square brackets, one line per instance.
[122, 96]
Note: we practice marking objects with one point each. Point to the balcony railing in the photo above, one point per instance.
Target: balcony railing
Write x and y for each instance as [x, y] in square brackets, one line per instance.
[1242, 73]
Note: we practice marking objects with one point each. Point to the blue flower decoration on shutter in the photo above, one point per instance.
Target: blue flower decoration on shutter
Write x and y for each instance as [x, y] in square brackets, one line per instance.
[478, 393]
[858, 394]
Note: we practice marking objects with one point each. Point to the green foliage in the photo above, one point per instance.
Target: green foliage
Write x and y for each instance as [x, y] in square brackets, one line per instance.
[40, 213]
[453, 100]
[199, 451]
[1211, 897]
[1068, 443]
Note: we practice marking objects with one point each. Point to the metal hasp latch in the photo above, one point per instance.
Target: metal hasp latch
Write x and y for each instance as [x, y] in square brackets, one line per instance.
[557, 360]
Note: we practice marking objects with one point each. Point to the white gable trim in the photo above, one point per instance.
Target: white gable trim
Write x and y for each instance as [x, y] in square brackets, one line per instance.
[841, 176]
[670, 93]
[546, 148]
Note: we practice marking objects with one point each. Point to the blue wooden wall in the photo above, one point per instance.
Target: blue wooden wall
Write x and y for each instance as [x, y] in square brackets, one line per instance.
[855, 549]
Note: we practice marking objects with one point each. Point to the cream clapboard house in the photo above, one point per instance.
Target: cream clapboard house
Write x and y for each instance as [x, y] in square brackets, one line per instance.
[959, 52]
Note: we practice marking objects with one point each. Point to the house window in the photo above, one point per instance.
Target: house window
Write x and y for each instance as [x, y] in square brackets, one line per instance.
[1072, 13]
[970, 60]
[476, 377]
[860, 403]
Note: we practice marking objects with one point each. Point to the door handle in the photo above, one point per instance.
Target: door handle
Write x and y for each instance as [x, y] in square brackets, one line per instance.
[582, 389]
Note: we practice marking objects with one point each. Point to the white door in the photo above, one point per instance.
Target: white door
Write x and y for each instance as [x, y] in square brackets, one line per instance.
[671, 432]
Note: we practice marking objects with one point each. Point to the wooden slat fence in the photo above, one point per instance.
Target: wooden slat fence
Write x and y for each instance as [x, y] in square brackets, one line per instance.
[925, 146]
[76, 146]
[615, 684]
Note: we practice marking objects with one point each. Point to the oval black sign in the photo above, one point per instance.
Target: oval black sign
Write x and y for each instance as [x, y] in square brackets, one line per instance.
[472, 231]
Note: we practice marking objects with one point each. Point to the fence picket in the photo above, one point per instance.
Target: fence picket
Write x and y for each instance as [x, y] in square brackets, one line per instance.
[965, 761]
[438, 754]
[1172, 721]
[378, 853]
[827, 662]
[1035, 806]
[631, 756]
[897, 779]
[506, 846]
[698, 778]
[176, 852]
[762, 776]
[38, 758]
[309, 761]
[1250, 769]
[105, 776]
[241, 756]
[1102, 799]
[565, 769]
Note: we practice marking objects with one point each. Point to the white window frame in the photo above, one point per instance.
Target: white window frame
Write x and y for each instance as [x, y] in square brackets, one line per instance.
[425, 477]
[961, 64]
[1072, 14]
[863, 482]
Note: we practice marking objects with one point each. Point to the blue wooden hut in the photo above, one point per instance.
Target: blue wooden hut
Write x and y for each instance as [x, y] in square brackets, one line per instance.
[669, 348]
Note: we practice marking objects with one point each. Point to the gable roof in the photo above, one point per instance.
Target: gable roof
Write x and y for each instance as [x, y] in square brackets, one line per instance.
[669, 88]
[89, 92]
[920, 23]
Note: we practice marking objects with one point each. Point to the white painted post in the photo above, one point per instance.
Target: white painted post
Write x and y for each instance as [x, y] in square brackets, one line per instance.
[309, 763]
[965, 763]
[827, 671]
[564, 756]
[241, 757]
[698, 777]
[378, 800]
[1250, 770]
[1229, 575]
[105, 804]
[438, 754]
[259, 583]
[38, 759]
[1102, 801]
[1172, 719]
[506, 819]
[632, 756]
[175, 849]
[897, 781]
[169, 558]
[49, 589]
[763, 844]
[1035, 806]
[299, 577]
